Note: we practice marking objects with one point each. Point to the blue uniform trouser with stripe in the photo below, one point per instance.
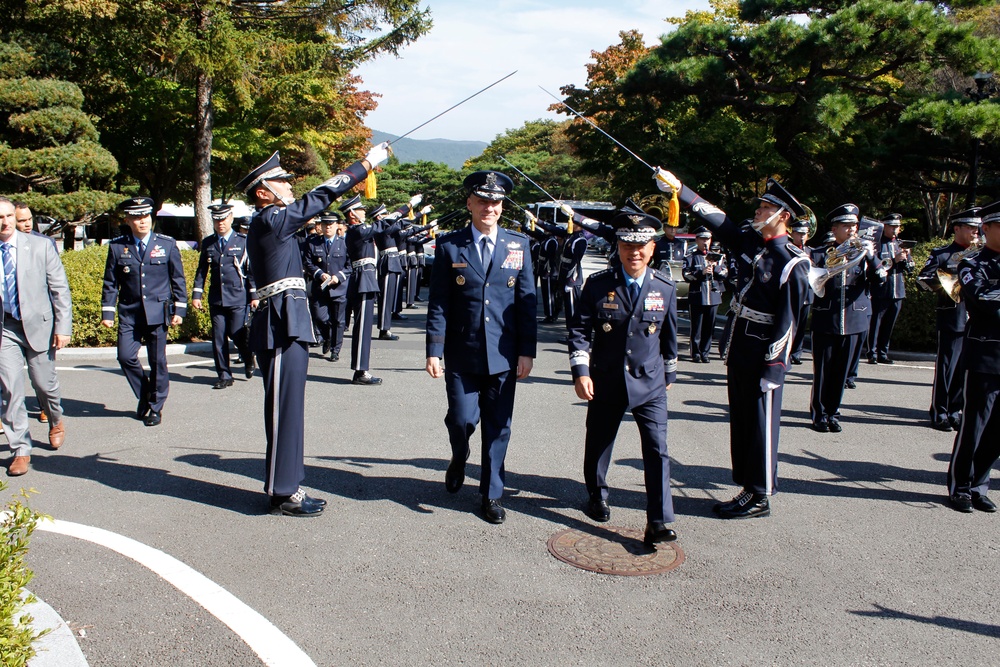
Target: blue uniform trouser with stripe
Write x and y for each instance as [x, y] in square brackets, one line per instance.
[284, 371]
[884, 314]
[487, 400]
[702, 328]
[754, 422]
[604, 416]
[832, 358]
[977, 444]
[946, 398]
[363, 309]
[132, 335]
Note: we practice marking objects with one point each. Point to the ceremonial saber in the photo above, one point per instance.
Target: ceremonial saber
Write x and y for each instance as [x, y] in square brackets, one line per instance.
[527, 178]
[596, 127]
[452, 107]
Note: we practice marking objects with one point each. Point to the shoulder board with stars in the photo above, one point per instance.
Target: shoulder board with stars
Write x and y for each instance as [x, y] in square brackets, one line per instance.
[163, 237]
[124, 238]
[599, 274]
[511, 232]
[665, 278]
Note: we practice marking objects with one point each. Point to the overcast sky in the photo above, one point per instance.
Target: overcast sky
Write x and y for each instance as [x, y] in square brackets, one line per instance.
[473, 44]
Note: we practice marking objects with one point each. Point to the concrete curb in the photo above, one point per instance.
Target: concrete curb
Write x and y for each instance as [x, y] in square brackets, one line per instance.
[112, 352]
[58, 648]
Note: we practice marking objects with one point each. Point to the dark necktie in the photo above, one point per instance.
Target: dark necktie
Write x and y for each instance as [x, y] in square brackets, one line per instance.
[487, 253]
[142, 249]
[222, 244]
[633, 293]
[10, 283]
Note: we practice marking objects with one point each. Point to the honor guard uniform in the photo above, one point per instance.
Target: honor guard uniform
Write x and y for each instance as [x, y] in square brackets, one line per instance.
[549, 268]
[230, 292]
[281, 328]
[326, 262]
[630, 314]
[390, 268]
[145, 276]
[571, 270]
[977, 445]
[772, 277]
[599, 229]
[363, 288]
[840, 317]
[887, 298]
[799, 233]
[706, 272]
[406, 257]
[946, 395]
[481, 322]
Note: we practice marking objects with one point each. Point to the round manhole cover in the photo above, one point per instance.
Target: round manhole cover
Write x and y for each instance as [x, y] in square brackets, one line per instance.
[614, 550]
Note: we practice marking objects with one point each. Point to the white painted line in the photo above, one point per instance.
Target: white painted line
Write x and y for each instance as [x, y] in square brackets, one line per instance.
[273, 647]
[203, 362]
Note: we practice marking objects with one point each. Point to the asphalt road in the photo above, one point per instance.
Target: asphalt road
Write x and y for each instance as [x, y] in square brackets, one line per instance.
[860, 563]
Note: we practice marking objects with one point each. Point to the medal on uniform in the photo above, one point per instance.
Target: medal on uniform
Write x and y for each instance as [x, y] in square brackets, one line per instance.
[125, 270]
[460, 280]
[606, 326]
[511, 281]
[611, 297]
[652, 328]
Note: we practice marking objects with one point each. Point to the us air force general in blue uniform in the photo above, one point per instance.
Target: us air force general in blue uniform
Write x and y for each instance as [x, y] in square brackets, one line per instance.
[144, 275]
[481, 321]
[630, 314]
[281, 328]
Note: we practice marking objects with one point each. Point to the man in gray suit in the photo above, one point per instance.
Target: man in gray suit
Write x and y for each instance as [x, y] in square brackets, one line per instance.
[37, 320]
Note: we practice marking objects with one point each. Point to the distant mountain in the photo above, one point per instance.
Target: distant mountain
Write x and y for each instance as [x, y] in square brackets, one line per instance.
[452, 153]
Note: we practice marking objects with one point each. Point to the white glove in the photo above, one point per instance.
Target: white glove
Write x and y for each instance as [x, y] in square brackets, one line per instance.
[531, 216]
[416, 199]
[434, 224]
[766, 386]
[378, 154]
[567, 209]
[666, 181]
[426, 209]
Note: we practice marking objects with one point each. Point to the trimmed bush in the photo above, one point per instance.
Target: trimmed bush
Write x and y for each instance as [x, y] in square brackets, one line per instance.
[16, 633]
[85, 272]
[916, 328]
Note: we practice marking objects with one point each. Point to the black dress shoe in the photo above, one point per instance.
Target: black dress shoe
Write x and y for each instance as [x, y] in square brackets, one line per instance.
[365, 378]
[960, 503]
[796, 361]
[956, 422]
[454, 476]
[835, 426]
[873, 361]
[696, 359]
[705, 360]
[153, 418]
[747, 505]
[821, 427]
[598, 510]
[850, 384]
[886, 360]
[223, 383]
[326, 347]
[941, 425]
[385, 335]
[298, 504]
[318, 501]
[657, 532]
[399, 316]
[249, 366]
[142, 409]
[983, 503]
[493, 511]
[334, 357]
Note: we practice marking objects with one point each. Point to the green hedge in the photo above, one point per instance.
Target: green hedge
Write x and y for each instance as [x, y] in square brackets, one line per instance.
[85, 272]
[16, 631]
[916, 328]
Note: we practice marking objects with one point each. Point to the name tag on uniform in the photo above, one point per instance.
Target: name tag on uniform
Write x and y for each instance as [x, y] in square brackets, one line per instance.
[157, 251]
[459, 265]
[610, 306]
[654, 301]
[515, 260]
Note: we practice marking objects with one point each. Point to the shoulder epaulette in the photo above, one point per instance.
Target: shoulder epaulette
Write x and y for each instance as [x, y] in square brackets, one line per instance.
[665, 278]
[163, 236]
[123, 237]
[603, 272]
[513, 233]
[795, 250]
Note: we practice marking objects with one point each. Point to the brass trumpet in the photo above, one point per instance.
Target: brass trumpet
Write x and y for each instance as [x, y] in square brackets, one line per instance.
[839, 259]
[948, 276]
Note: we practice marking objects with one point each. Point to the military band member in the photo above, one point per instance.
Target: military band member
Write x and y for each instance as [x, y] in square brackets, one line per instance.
[144, 275]
[281, 329]
[326, 262]
[705, 272]
[630, 314]
[481, 321]
[772, 275]
[669, 249]
[230, 293]
[887, 299]
[946, 395]
[799, 235]
[977, 444]
[840, 319]
[363, 288]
